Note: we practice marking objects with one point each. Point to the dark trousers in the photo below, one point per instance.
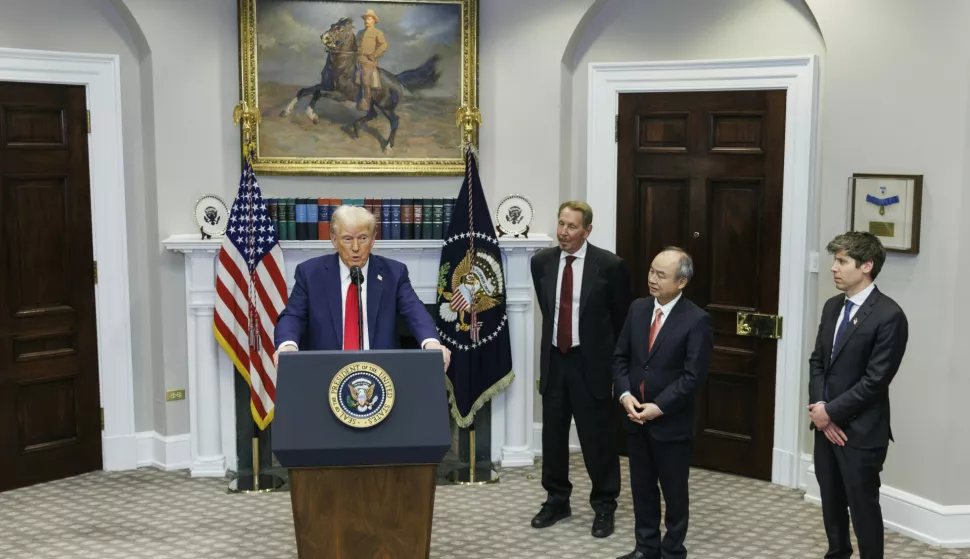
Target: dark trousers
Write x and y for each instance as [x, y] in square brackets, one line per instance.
[848, 479]
[668, 463]
[566, 396]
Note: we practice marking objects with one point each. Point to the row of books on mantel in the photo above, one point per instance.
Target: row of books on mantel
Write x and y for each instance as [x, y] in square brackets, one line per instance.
[308, 219]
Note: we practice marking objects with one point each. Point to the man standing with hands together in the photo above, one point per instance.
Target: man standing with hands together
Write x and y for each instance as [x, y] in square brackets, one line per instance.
[657, 377]
[861, 341]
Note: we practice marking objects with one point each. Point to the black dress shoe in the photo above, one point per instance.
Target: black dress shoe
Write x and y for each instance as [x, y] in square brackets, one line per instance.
[549, 515]
[635, 554]
[603, 525]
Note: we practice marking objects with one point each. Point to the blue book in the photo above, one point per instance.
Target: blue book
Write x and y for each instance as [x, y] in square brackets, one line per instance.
[448, 210]
[395, 219]
[300, 219]
[312, 218]
[437, 219]
[386, 232]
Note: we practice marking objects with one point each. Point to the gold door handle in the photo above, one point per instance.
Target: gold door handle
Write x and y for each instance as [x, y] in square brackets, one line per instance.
[759, 325]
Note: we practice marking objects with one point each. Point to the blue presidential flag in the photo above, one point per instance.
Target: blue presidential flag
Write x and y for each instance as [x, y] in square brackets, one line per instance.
[470, 314]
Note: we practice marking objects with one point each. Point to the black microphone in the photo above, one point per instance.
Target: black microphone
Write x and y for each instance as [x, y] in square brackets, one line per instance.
[357, 277]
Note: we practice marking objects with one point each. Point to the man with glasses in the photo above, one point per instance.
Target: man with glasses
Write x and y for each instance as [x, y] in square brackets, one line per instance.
[322, 311]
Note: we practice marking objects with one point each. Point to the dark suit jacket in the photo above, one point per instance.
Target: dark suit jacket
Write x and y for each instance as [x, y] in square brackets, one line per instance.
[603, 300]
[313, 317]
[673, 370]
[861, 369]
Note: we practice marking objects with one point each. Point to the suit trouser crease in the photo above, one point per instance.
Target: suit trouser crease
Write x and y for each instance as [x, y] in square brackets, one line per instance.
[848, 480]
[666, 463]
[567, 396]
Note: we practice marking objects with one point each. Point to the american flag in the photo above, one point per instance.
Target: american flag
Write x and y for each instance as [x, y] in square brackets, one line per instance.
[250, 294]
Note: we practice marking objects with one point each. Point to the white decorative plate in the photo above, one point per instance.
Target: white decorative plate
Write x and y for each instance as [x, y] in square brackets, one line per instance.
[514, 214]
[212, 215]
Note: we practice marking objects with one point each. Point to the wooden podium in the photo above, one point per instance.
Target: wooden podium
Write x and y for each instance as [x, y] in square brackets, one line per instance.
[362, 479]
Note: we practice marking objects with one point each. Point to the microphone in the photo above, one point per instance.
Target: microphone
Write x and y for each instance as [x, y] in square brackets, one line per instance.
[357, 277]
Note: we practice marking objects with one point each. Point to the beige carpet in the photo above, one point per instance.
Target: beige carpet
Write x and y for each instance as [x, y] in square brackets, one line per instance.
[168, 515]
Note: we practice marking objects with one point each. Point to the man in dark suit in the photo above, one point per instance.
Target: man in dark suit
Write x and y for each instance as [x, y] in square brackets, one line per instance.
[322, 310]
[662, 358]
[583, 294]
[861, 341]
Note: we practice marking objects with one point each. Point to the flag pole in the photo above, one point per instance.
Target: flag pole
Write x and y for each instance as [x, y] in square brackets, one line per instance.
[249, 116]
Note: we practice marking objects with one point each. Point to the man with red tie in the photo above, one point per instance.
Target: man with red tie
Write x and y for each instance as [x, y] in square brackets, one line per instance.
[662, 358]
[322, 312]
[583, 295]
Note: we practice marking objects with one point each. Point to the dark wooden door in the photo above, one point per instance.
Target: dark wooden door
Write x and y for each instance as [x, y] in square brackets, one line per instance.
[703, 171]
[50, 420]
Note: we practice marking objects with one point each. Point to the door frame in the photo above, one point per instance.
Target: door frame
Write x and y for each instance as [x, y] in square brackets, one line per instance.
[799, 231]
[101, 77]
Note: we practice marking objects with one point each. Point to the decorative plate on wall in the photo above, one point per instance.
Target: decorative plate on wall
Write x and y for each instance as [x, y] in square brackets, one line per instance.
[514, 215]
[212, 215]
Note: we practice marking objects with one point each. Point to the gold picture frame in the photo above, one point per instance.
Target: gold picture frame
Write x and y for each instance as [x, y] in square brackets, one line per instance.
[890, 207]
[308, 96]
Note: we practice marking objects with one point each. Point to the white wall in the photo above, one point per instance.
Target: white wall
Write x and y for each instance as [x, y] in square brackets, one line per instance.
[634, 30]
[895, 101]
[93, 26]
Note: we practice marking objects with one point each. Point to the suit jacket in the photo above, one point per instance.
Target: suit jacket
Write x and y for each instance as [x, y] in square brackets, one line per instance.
[603, 300]
[859, 372]
[313, 317]
[671, 372]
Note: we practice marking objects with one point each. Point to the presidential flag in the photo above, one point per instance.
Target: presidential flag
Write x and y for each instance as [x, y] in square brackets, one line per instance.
[470, 309]
[250, 294]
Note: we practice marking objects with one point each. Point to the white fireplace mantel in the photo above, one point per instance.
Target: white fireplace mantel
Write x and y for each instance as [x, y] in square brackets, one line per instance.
[211, 374]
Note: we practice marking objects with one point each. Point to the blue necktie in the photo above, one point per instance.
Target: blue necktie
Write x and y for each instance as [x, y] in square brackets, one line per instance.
[839, 335]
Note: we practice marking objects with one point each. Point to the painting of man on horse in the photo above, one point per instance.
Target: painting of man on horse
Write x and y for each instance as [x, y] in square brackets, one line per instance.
[358, 82]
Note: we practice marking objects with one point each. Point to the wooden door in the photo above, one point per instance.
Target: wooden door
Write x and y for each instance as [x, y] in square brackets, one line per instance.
[703, 171]
[50, 420]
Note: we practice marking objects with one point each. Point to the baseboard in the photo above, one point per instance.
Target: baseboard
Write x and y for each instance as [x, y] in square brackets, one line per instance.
[164, 453]
[537, 438]
[910, 515]
[119, 452]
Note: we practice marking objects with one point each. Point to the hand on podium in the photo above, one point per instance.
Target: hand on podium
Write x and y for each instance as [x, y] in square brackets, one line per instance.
[283, 347]
[445, 352]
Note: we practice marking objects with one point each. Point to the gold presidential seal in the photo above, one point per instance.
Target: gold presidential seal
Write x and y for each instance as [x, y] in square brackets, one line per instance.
[361, 395]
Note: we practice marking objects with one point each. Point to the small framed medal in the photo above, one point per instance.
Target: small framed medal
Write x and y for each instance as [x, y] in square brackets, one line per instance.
[889, 207]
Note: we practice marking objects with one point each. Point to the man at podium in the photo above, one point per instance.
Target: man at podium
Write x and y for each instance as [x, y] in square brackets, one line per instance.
[323, 311]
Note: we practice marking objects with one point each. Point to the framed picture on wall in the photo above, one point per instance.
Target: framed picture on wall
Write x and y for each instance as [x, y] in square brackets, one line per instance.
[889, 207]
[359, 88]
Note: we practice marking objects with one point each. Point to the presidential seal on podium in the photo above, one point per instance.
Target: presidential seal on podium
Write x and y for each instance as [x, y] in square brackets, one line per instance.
[361, 395]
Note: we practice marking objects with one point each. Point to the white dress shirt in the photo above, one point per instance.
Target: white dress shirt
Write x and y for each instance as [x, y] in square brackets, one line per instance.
[663, 318]
[857, 300]
[577, 267]
[344, 286]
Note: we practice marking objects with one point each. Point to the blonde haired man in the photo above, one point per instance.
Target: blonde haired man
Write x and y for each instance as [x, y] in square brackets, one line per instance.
[322, 310]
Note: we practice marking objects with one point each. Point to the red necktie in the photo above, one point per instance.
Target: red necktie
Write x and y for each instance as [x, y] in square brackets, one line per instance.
[351, 333]
[655, 328]
[564, 330]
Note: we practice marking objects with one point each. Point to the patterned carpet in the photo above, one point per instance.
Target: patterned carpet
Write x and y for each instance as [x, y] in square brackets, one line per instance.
[152, 514]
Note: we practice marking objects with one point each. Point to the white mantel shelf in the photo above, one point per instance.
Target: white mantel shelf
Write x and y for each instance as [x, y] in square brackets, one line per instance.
[211, 375]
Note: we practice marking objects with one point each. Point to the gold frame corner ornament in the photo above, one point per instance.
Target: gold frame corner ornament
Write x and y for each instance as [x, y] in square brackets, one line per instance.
[342, 166]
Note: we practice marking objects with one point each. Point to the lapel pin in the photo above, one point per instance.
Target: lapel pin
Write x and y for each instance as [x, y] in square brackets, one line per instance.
[854, 320]
[379, 278]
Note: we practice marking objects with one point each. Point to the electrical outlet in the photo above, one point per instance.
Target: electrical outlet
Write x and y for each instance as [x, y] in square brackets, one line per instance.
[175, 395]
